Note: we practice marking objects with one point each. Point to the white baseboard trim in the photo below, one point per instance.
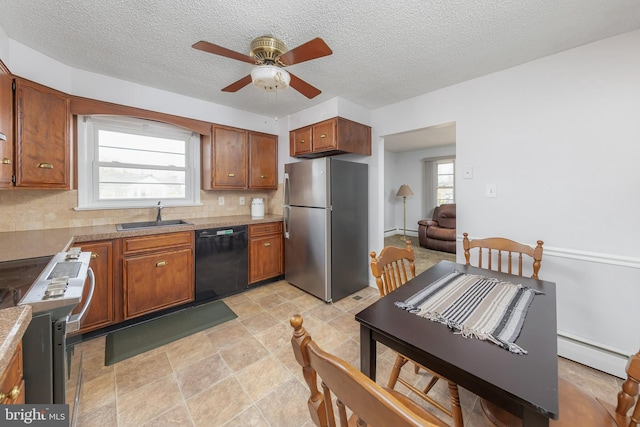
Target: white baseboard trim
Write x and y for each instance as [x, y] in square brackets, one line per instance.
[398, 231]
[609, 360]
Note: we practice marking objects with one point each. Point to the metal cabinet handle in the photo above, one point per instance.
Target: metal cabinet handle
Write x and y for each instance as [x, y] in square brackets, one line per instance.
[231, 174]
[324, 135]
[266, 229]
[94, 255]
[267, 244]
[6, 161]
[302, 141]
[263, 176]
[45, 165]
[13, 394]
[161, 264]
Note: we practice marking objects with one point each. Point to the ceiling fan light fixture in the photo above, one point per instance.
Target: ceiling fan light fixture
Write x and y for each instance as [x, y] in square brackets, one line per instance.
[270, 78]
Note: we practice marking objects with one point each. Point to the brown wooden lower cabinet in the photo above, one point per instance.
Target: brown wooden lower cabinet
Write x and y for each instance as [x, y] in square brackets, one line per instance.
[12, 381]
[101, 310]
[265, 251]
[160, 278]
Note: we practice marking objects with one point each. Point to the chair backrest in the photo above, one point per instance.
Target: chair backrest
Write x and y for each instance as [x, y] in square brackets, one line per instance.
[445, 215]
[498, 248]
[628, 397]
[393, 267]
[370, 403]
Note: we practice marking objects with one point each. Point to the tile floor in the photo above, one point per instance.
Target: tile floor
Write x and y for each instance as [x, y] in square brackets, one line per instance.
[242, 373]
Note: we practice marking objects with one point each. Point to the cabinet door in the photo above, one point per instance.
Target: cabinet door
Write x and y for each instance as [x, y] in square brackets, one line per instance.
[157, 281]
[324, 135]
[265, 257]
[11, 380]
[101, 310]
[300, 141]
[6, 127]
[42, 137]
[263, 161]
[229, 158]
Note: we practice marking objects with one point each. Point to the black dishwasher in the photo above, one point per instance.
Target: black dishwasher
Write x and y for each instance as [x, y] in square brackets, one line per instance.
[222, 265]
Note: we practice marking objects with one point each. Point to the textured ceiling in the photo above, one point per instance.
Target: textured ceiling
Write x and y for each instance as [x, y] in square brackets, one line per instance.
[383, 51]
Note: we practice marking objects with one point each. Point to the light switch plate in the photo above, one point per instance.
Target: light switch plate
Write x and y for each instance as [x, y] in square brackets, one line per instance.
[221, 200]
[241, 200]
[468, 172]
[491, 190]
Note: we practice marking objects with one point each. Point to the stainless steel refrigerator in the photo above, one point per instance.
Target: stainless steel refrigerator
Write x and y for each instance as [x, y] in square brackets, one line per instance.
[326, 227]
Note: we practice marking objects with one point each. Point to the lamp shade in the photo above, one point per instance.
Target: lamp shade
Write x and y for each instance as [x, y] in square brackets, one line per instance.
[404, 191]
[270, 78]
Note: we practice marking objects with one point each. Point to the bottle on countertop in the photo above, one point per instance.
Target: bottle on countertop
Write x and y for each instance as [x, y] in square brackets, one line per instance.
[257, 207]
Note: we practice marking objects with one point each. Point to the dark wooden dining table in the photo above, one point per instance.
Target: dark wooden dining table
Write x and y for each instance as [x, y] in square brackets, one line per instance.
[525, 385]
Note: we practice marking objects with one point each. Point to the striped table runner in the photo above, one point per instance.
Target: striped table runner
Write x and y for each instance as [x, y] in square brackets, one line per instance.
[475, 306]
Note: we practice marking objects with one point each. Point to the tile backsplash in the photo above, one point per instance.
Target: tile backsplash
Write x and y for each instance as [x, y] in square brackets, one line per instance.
[42, 209]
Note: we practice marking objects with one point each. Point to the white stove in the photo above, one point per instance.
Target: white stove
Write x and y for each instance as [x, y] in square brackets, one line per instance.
[58, 289]
[53, 296]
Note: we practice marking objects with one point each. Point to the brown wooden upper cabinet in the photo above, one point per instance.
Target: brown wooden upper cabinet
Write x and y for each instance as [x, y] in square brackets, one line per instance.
[263, 161]
[239, 159]
[330, 137]
[42, 137]
[229, 158]
[6, 127]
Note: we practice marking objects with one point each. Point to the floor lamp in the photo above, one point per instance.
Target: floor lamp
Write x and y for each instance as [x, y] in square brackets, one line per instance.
[403, 192]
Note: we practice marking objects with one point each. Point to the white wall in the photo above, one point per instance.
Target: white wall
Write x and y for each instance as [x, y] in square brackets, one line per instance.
[560, 139]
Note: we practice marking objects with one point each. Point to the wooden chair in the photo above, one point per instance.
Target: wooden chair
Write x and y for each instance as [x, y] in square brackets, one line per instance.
[577, 408]
[499, 247]
[394, 267]
[369, 403]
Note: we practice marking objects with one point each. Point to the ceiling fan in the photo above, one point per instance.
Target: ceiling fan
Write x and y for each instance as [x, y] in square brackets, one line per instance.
[270, 56]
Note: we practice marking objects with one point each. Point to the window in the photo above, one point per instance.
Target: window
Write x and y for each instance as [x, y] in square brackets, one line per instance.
[135, 163]
[445, 181]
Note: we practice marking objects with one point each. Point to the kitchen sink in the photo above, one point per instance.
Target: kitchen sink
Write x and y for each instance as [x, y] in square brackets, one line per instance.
[151, 224]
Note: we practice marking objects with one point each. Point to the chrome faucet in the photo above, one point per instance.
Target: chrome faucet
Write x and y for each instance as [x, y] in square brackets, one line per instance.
[159, 208]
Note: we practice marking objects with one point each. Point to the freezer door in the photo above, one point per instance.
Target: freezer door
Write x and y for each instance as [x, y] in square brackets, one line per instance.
[307, 183]
[307, 252]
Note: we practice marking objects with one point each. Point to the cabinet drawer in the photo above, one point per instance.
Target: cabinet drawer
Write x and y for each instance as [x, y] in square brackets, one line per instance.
[157, 241]
[265, 229]
[12, 377]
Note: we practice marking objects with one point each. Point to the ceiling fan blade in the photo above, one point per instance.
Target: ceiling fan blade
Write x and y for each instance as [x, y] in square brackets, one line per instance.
[223, 51]
[236, 86]
[303, 87]
[313, 49]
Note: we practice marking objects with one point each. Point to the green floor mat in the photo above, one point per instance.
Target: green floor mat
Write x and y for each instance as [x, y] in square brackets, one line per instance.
[154, 333]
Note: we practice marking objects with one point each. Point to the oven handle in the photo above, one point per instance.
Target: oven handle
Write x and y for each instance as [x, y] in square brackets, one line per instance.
[73, 322]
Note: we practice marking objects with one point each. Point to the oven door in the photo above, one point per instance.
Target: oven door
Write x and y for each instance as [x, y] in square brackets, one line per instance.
[73, 382]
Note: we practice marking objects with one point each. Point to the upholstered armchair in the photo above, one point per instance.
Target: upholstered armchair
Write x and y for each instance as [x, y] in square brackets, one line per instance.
[439, 233]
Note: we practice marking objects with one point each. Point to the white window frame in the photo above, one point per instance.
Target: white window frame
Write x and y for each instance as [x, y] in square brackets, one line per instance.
[451, 160]
[88, 162]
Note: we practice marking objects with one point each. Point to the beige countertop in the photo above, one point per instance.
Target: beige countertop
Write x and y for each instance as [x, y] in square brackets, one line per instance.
[38, 243]
[13, 323]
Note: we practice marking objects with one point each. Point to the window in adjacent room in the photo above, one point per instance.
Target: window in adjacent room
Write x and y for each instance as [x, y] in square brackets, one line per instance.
[445, 181]
[129, 162]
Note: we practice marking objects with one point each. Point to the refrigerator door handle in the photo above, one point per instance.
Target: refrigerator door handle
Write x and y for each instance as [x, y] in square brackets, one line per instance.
[286, 213]
[287, 188]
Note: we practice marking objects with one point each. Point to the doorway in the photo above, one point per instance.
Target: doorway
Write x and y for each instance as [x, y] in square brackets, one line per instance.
[404, 163]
